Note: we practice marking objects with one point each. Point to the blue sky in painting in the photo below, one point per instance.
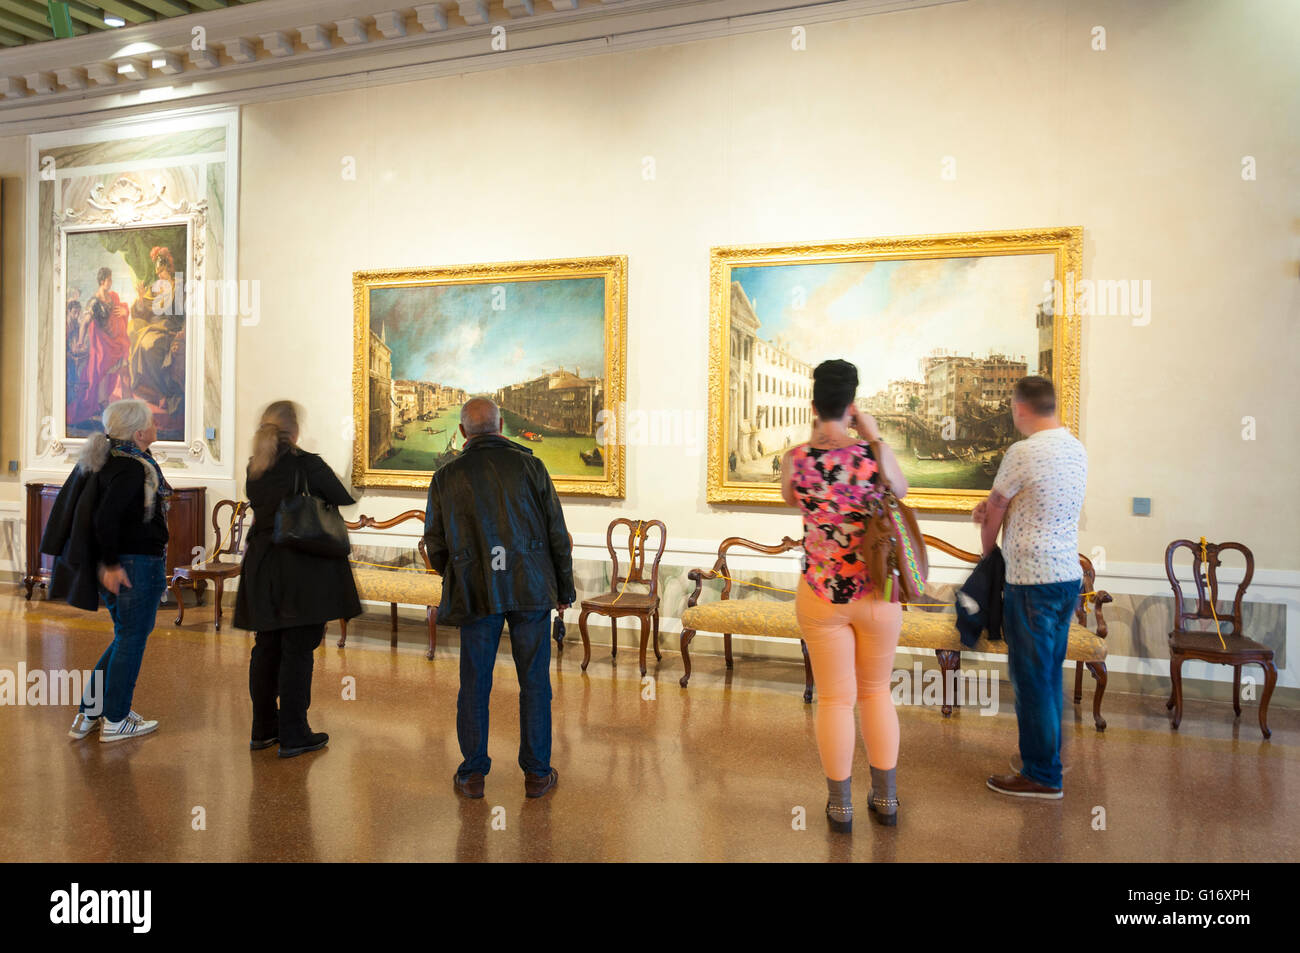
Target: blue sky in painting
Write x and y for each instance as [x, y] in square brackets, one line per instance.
[450, 334]
[885, 316]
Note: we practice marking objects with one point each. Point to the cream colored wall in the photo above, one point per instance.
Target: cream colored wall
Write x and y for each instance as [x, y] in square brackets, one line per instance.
[1141, 144]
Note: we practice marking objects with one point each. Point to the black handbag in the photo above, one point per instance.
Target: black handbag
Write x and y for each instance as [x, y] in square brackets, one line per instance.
[308, 524]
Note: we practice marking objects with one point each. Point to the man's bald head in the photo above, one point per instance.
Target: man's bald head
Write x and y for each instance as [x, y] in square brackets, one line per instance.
[479, 416]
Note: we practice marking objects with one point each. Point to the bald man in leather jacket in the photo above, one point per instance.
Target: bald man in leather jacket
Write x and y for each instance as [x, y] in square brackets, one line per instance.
[495, 531]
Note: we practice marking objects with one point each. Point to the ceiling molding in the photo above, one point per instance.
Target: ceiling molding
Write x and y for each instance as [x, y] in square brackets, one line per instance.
[276, 49]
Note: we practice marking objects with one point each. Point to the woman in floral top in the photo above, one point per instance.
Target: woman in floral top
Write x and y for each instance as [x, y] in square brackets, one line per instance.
[851, 634]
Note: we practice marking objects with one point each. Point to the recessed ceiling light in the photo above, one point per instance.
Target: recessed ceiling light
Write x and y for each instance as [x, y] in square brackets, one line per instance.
[112, 19]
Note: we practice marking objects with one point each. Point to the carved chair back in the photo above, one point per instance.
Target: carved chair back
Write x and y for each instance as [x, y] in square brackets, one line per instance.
[1205, 566]
[638, 532]
[230, 533]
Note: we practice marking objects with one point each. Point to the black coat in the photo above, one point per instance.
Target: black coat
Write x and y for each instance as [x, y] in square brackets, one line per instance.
[71, 534]
[984, 589]
[279, 587]
[494, 529]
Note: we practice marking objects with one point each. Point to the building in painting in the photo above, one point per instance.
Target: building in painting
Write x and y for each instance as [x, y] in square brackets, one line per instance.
[381, 388]
[1045, 321]
[406, 396]
[998, 376]
[769, 390]
[561, 401]
[905, 396]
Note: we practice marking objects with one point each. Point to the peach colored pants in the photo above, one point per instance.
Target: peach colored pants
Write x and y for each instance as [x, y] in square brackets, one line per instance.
[851, 648]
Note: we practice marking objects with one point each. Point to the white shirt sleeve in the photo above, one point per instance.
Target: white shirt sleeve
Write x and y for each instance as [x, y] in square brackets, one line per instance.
[1011, 474]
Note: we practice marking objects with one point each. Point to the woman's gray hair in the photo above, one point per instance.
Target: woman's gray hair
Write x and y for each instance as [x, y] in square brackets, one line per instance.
[123, 418]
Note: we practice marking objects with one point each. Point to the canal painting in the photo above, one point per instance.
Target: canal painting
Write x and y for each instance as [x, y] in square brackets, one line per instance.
[535, 347]
[939, 343]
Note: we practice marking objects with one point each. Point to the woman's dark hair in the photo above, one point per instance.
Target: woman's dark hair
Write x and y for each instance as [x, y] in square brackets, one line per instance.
[835, 384]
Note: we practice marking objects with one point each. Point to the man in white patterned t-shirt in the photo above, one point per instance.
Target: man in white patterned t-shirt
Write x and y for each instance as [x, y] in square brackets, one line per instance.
[1035, 501]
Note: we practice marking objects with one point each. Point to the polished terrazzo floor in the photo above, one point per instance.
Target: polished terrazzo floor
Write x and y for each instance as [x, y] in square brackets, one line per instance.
[716, 772]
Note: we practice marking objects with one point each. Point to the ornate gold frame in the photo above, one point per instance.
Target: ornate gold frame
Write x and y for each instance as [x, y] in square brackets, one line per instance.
[1066, 243]
[613, 268]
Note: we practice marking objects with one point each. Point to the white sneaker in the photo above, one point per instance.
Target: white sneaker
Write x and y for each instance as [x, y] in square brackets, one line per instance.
[84, 724]
[132, 726]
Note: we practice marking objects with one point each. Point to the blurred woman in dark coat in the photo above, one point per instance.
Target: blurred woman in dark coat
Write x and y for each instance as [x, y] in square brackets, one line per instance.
[286, 596]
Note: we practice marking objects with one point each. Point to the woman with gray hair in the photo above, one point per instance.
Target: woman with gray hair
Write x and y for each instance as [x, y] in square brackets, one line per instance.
[111, 536]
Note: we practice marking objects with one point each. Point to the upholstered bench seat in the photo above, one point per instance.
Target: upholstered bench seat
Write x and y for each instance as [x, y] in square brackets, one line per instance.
[921, 630]
[933, 631]
[397, 585]
[409, 585]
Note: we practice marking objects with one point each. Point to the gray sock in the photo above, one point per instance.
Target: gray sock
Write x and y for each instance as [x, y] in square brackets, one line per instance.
[840, 798]
[884, 793]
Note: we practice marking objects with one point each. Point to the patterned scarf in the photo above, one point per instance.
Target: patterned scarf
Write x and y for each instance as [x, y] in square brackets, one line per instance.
[155, 484]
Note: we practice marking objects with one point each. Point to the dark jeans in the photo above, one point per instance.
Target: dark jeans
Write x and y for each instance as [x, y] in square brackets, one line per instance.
[134, 611]
[281, 664]
[1036, 622]
[530, 644]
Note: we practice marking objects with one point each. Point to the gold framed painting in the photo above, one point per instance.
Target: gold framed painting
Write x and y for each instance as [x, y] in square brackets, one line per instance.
[546, 340]
[939, 326]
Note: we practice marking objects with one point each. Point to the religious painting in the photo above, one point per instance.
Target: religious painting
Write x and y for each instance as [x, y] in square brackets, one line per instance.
[125, 324]
[940, 328]
[544, 340]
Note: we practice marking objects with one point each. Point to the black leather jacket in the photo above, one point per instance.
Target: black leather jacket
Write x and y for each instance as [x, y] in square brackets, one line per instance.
[494, 529]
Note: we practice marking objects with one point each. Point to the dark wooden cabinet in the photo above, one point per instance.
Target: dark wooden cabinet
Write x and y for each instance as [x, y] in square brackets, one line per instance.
[185, 528]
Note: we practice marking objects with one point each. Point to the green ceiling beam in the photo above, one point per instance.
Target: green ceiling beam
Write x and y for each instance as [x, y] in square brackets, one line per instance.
[209, 4]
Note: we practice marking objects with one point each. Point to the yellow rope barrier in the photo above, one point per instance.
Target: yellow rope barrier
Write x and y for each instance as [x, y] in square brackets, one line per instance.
[942, 605]
[631, 541]
[1217, 629]
[358, 562]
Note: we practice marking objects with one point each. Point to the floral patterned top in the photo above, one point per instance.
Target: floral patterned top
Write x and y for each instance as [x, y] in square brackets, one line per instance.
[833, 487]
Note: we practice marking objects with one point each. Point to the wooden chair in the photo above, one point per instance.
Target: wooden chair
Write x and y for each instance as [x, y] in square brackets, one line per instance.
[619, 602]
[1235, 649]
[196, 576]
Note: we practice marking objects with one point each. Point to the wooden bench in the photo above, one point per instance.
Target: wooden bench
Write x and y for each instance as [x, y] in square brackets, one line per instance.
[921, 630]
[398, 585]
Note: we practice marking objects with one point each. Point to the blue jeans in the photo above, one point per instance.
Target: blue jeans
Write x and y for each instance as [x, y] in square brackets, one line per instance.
[1036, 623]
[530, 644]
[134, 612]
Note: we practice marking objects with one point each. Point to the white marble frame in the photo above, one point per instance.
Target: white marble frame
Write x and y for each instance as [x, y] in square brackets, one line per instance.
[47, 454]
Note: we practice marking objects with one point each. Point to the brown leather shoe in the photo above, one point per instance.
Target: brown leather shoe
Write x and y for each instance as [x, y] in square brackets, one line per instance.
[470, 786]
[1017, 785]
[536, 787]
